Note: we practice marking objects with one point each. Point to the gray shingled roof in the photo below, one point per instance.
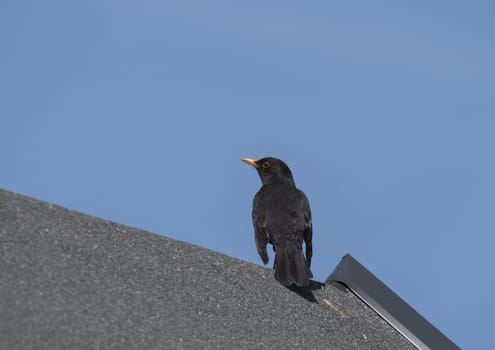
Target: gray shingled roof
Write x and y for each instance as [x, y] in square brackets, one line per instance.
[69, 280]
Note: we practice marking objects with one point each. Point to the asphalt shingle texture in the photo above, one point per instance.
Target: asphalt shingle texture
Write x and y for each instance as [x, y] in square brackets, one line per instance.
[72, 281]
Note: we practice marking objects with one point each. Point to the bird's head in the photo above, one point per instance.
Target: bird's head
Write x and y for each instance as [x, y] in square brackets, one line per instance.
[271, 170]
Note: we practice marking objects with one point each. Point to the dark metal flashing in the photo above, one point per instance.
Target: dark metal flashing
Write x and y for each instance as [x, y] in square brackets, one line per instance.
[389, 305]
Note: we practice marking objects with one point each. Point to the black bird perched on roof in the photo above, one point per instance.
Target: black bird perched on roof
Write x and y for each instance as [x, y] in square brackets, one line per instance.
[282, 217]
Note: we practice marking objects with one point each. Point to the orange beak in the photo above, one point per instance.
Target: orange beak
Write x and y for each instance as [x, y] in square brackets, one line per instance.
[251, 162]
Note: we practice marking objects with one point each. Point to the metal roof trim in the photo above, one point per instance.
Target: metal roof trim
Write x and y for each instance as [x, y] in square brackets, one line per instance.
[392, 308]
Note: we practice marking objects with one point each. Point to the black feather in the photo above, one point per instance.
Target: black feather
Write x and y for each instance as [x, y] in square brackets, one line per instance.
[282, 217]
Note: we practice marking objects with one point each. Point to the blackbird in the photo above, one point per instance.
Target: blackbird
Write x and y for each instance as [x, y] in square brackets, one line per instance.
[282, 217]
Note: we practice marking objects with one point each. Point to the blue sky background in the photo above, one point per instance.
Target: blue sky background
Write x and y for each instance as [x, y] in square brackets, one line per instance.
[138, 112]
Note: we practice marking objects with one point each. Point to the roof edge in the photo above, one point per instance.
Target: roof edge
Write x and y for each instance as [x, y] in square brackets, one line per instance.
[388, 305]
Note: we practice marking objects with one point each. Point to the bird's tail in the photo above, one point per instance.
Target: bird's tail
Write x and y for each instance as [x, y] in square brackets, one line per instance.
[290, 265]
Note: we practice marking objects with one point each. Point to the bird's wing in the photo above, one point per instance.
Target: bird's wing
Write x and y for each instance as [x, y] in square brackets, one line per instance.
[308, 231]
[260, 235]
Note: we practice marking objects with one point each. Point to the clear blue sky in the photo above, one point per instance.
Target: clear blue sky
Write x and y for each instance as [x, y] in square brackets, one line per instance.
[138, 112]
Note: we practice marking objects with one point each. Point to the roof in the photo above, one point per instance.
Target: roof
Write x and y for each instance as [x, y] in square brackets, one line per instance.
[389, 305]
[70, 280]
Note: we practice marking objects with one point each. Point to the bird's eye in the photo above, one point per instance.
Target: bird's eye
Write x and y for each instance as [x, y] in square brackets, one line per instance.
[266, 165]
